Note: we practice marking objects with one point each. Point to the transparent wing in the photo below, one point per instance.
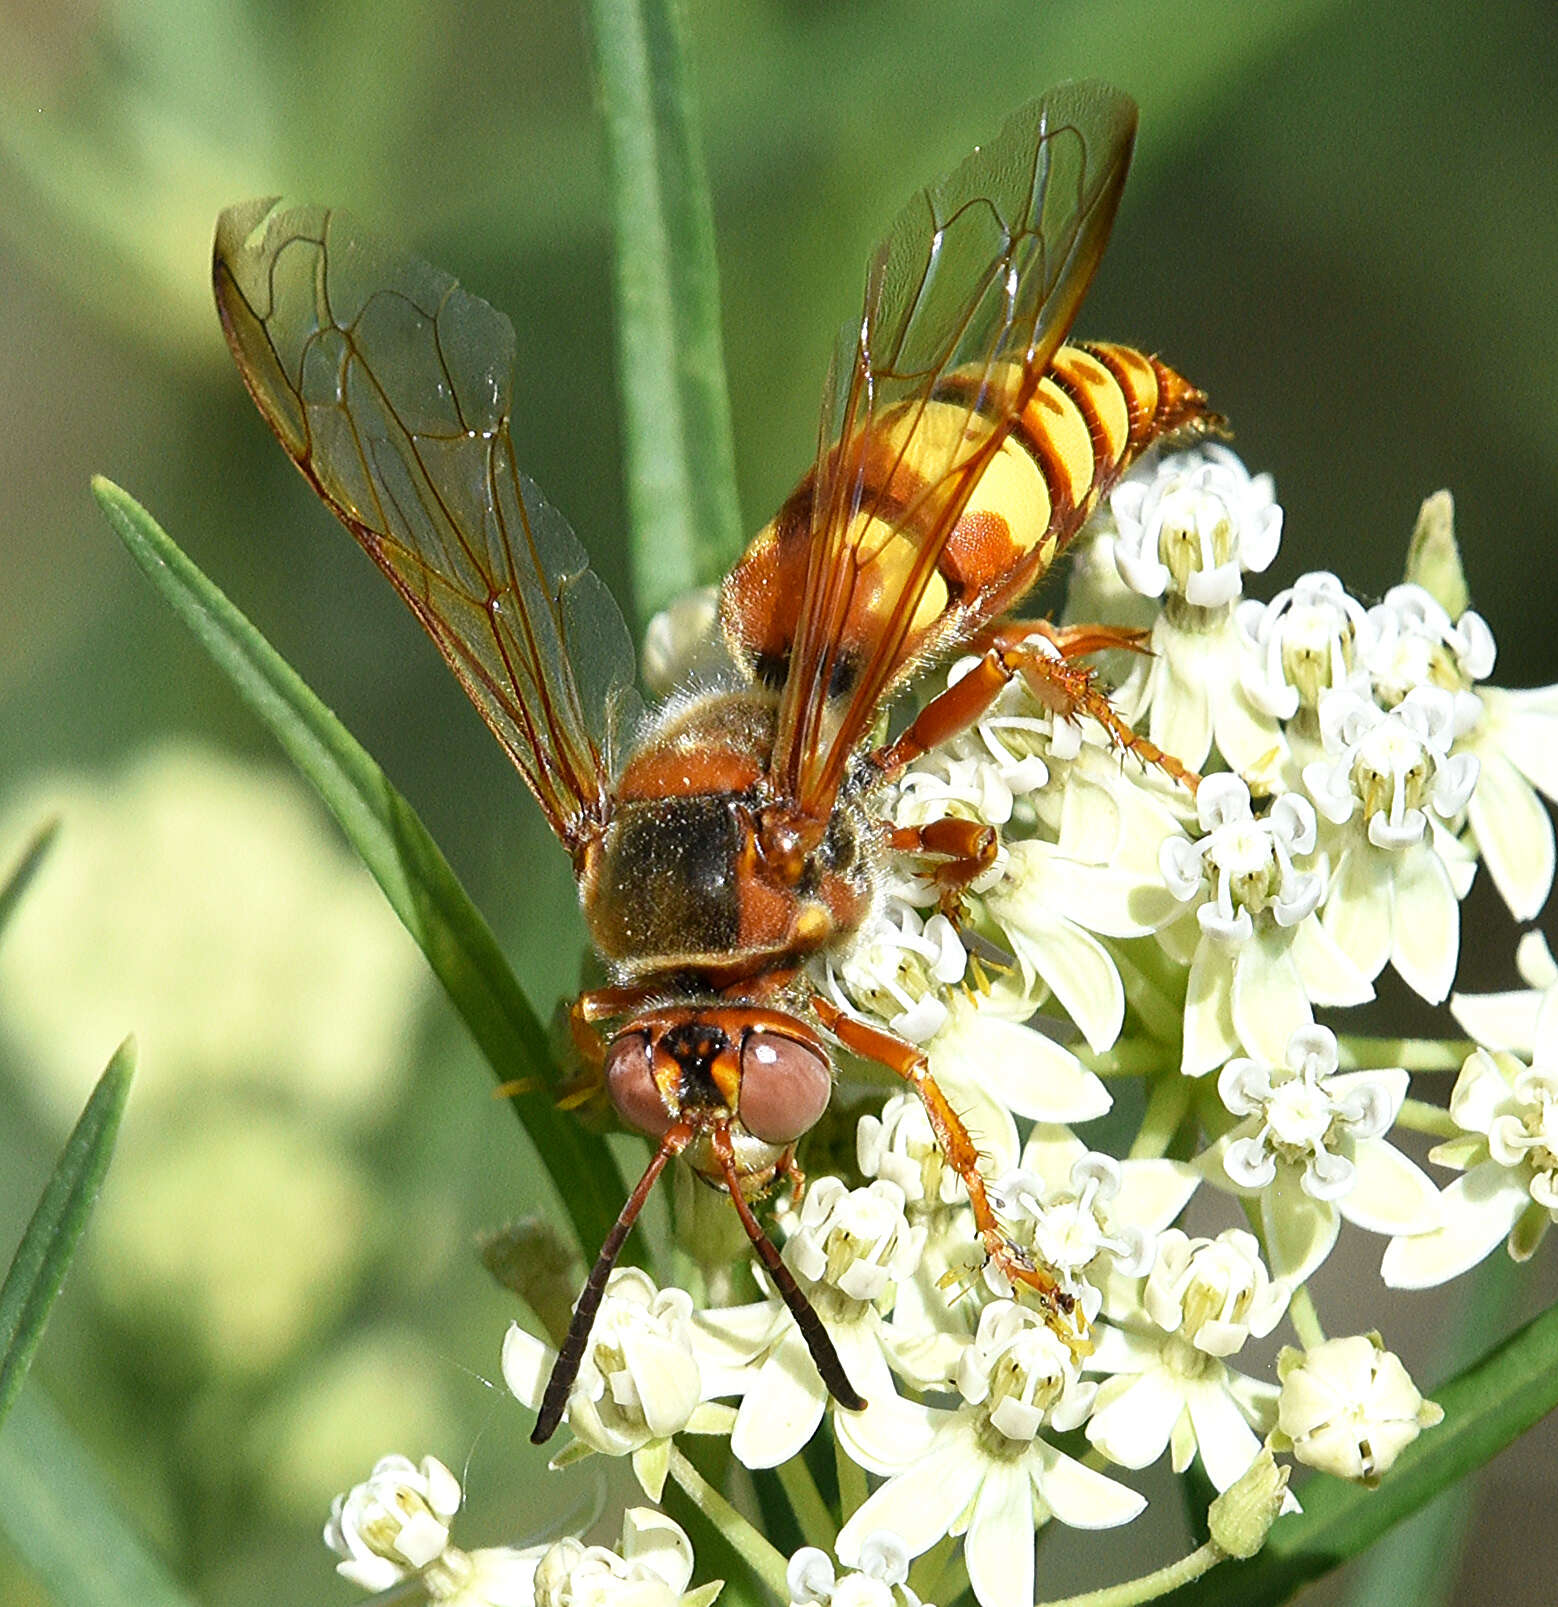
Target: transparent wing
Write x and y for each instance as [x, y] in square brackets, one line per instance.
[967, 299]
[390, 387]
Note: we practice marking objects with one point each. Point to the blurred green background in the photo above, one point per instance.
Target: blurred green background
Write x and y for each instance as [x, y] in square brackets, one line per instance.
[1343, 222]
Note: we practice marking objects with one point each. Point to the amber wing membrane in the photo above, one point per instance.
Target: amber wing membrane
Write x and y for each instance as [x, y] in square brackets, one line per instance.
[390, 387]
[980, 276]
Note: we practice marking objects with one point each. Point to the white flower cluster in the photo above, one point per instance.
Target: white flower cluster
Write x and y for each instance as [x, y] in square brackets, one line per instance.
[1130, 929]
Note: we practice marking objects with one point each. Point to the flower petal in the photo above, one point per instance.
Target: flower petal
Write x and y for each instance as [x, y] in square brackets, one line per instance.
[781, 1410]
[1269, 1002]
[1077, 1495]
[1479, 1209]
[1299, 1230]
[1426, 931]
[1133, 1424]
[1000, 1544]
[1027, 1072]
[1357, 907]
[1225, 1440]
[921, 1504]
[1209, 1032]
[1513, 834]
[1329, 976]
[1079, 972]
[1390, 1194]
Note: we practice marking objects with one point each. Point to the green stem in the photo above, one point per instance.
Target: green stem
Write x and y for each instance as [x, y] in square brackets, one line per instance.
[1149, 1586]
[1166, 1107]
[1305, 1319]
[1365, 1052]
[852, 1482]
[1129, 1057]
[806, 1502]
[1160, 1012]
[941, 1575]
[762, 1558]
[1421, 1117]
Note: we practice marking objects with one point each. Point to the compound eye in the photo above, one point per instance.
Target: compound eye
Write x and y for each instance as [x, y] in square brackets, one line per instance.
[785, 1086]
[630, 1080]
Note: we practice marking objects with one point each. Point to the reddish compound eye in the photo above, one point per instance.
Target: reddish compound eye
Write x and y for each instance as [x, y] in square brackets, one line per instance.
[785, 1086]
[630, 1081]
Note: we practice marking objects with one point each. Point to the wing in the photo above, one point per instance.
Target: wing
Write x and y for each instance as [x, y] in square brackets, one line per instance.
[966, 301]
[390, 387]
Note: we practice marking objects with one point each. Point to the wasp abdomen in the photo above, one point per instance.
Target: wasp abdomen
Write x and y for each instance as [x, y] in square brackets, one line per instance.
[1098, 407]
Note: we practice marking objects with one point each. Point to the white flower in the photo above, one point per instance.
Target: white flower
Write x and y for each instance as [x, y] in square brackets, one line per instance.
[898, 969]
[1168, 1383]
[982, 1470]
[1349, 1407]
[1412, 643]
[1087, 1216]
[1394, 891]
[1185, 529]
[639, 1381]
[1311, 1147]
[395, 1523]
[1189, 524]
[1508, 1113]
[881, 1580]
[651, 1568]
[1260, 954]
[850, 1252]
[1307, 639]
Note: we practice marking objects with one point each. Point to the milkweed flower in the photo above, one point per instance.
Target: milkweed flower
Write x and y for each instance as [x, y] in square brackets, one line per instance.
[639, 1382]
[1349, 1407]
[880, 1580]
[394, 1528]
[1166, 1380]
[1311, 1148]
[850, 1250]
[1389, 785]
[1187, 529]
[1260, 955]
[983, 1469]
[1508, 1157]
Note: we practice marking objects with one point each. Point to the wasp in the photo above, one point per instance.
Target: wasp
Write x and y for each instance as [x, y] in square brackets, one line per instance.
[736, 835]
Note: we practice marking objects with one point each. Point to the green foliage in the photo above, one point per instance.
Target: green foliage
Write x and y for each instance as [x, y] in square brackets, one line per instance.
[38, 1269]
[416, 878]
[686, 523]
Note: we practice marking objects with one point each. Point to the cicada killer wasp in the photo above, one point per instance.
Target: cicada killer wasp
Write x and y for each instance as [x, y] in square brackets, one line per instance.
[735, 836]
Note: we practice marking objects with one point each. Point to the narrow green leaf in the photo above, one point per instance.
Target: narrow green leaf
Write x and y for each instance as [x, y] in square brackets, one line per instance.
[1485, 1407]
[65, 1526]
[38, 1268]
[17, 883]
[405, 861]
[680, 459]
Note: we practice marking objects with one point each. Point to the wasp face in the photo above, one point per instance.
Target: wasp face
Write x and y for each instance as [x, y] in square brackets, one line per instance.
[761, 1073]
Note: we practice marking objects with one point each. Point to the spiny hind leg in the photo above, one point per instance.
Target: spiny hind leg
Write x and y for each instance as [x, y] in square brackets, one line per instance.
[1047, 658]
[909, 1062]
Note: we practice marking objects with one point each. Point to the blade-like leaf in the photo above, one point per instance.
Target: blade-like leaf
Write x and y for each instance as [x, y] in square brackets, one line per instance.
[1485, 1407]
[65, 1526]
[12, 888]
[680, 458]
[405, 861]
[38, 1268]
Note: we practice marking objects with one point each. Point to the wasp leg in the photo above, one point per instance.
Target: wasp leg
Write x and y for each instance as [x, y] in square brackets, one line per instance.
[963, 850]
[1062, 685]
[909, 1062]
[789, 1170]
[584, 1014]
